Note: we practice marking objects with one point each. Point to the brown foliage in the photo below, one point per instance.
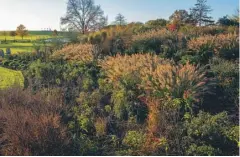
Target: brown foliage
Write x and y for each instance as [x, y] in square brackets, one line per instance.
[31, 124]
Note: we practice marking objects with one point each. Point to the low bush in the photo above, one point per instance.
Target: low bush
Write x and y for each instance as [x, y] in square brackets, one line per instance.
[31, 124]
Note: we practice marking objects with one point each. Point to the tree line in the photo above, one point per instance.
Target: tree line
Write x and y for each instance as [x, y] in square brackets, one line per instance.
[85, 16]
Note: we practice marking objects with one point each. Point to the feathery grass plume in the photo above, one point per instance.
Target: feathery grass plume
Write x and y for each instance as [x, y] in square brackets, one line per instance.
[224, 45]
[167, 88]
[155, 74]
[203, 42]
[120, 66]
[177, 81]
[78, 52]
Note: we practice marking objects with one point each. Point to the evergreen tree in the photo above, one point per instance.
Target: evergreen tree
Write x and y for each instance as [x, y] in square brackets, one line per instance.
[200, 13]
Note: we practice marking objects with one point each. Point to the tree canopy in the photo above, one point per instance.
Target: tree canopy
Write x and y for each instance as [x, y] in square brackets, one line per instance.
[22, 31]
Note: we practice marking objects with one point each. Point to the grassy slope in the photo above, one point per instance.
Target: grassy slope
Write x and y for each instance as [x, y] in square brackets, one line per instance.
[10, 77]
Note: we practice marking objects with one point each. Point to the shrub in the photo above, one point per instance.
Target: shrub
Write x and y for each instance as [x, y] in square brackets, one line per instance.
[134, 139]
[31, 124]
[206, 135]
[227, 46]
[225, 97]
[166, 89]
[162, 41]
[19, 61]
[124, 74]
[193, 31]
[139, 143]
[72, 77]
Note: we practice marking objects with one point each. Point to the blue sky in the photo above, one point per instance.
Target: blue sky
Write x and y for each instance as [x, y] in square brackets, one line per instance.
[39, 14]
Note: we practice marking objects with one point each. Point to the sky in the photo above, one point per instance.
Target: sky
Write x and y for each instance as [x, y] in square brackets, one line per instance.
[41, 14]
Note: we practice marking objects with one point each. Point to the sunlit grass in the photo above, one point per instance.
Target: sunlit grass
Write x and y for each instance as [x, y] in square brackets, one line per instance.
[10, 77]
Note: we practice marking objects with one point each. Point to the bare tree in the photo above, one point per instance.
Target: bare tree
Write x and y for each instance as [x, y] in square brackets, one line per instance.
[120, 20]
[83, 16]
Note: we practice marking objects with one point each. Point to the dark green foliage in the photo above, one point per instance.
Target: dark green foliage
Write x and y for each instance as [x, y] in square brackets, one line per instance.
[226, 21]
[72, 77]
[166, 45]
[18, 62]
[225, 94]
[209, 135]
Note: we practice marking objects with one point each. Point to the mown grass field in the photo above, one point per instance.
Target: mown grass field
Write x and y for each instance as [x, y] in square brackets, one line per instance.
[21, 45]
[18, 47]
[10, 77]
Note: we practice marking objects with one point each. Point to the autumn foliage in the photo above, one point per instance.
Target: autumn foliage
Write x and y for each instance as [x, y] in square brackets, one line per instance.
[31, 124]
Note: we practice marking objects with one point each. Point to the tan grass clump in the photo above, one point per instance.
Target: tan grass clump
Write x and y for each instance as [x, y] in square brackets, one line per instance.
[218, 44]
[77, 52]
[122, 66]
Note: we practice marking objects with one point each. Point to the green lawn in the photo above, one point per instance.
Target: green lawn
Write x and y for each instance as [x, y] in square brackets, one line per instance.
[21, 45]
[29, 37]
[17, 47]
[10, 77]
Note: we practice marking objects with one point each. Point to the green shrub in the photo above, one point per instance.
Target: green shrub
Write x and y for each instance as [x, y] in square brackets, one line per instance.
[226, 92]
[206, 135]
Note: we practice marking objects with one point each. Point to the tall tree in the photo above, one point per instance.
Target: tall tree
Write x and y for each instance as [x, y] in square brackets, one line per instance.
[22, 31]
[200, 13]
[120, 20]
[180, 17]
[83, 16]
